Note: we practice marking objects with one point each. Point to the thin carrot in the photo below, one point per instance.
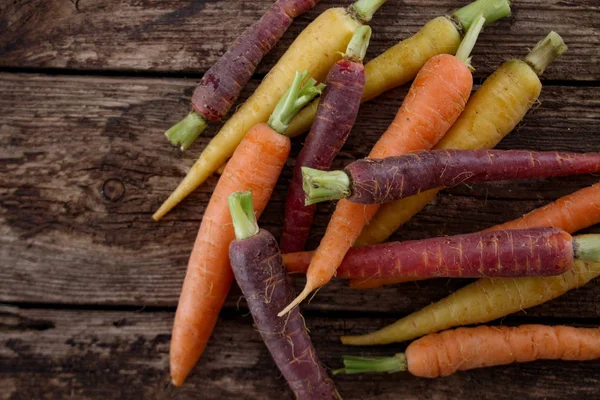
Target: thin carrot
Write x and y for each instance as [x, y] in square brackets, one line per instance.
[400, 63]
[489, 299]
[259, 272]
[543, 251]
[255, 165]
[462, 349]
[571, 213]
[316, 49]
[492, 112]
[336, 115]
[435, 100]
[378, 181]
[221, 85]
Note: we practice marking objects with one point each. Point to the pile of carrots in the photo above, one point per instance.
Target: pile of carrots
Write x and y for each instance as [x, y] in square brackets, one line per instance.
[441, 136]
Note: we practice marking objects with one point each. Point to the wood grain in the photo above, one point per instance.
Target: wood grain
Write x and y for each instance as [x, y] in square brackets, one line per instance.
[124, 354]
[84, 164]
[188, 36]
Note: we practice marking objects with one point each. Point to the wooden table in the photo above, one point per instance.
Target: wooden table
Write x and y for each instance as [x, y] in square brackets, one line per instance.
[89, 283]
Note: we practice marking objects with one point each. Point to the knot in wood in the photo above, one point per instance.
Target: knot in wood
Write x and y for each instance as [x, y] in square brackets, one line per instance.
[113, 190]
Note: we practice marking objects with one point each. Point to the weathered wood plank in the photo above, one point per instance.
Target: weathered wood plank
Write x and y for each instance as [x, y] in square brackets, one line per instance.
[84, 164]
[188, 36]
[119, 354]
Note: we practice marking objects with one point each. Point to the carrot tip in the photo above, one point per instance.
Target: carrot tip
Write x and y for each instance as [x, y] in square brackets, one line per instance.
[297, 301]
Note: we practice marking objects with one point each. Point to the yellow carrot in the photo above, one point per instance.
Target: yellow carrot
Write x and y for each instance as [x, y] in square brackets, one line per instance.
[489, 299]
[491, 113]
[316, 49]
[482, 301]
[399, 64]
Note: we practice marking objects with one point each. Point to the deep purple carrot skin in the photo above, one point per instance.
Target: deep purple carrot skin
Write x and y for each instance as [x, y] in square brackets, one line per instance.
[220, 87]
[377, 181]
[335, 117]
[507, 253]
[259, 271]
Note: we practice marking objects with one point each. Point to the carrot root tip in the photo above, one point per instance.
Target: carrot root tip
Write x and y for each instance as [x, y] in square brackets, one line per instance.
[296, 302]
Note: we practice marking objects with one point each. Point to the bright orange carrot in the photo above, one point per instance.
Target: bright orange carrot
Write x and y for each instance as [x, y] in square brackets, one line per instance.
[436, 98]
[442, 354]
[570, 213]
[255, 165]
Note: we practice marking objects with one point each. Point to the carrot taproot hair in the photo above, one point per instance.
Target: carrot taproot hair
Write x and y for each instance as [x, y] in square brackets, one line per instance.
[462, 349]
[489, 299]
[436, 98]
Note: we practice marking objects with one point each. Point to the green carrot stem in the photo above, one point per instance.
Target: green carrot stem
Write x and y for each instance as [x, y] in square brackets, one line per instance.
[357, 48]
[357, 365]
[365, 9]
[187, 130]
[242, 214]
[294, 99]
[491, 10]
[587, 247]
[466, 46]
[324, 185]
[546, 51]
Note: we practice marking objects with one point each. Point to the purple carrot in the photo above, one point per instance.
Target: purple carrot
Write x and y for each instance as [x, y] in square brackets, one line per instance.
[377, 181]
[335, 117]
[260, 274]
[220, 86]
[542, 251]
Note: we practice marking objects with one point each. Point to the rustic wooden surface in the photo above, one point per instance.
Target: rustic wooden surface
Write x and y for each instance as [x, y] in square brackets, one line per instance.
[90, 283]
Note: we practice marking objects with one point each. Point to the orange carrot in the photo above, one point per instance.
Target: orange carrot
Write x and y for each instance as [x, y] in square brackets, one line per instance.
[442, 354]
[436, 98]
[255, 165]
[570, 213]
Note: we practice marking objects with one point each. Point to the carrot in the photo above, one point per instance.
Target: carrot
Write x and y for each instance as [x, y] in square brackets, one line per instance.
[378, 181]
[316, 49]
[502, 253]
[489, 299]
[571, 213]
[220, 86]
[335, 117]
[463, 349]
[255, 165]
[436, 98]
[297, 263]
[259, 272]
[491, 113]
[400, 64]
